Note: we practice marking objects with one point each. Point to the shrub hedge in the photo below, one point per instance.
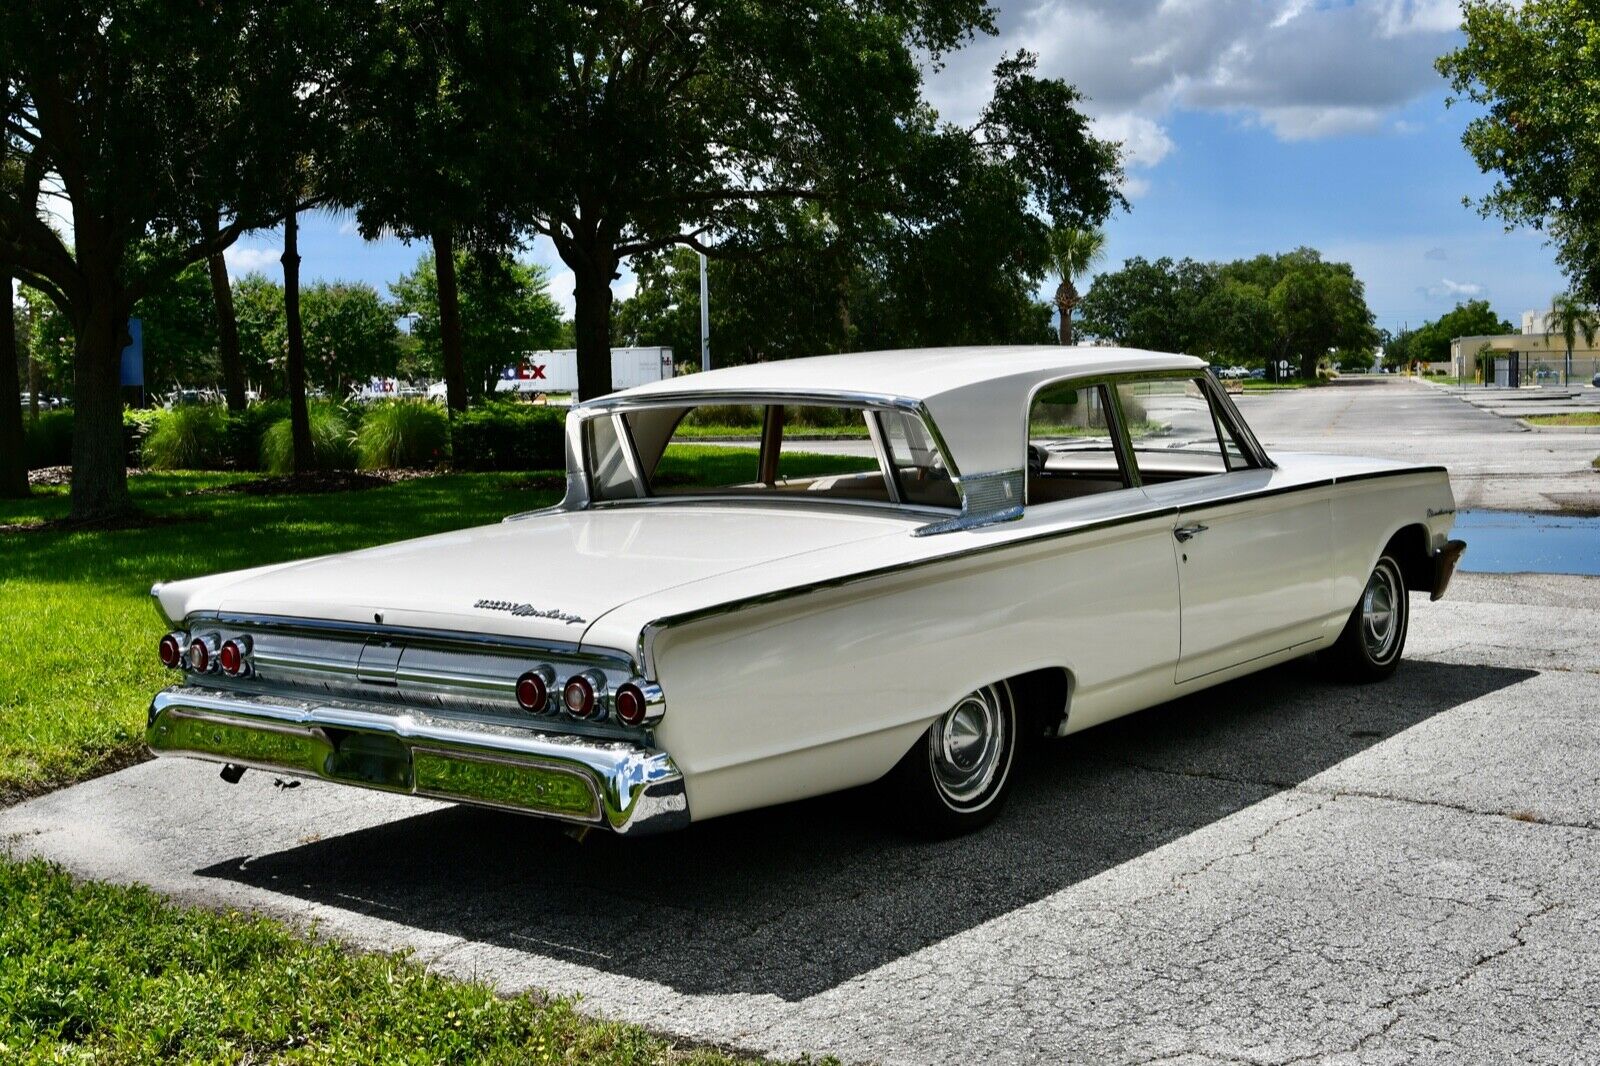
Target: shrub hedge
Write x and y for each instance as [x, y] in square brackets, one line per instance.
[186, 438]
[331, 446]
[505, 436]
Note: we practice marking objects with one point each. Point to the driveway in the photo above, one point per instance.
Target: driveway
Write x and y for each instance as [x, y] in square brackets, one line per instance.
[1280, 869]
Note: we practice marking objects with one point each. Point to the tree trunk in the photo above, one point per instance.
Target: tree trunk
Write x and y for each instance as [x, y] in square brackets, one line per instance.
[1066, 300]
[99, 455]
[450, 339]
[299, 416]
[13, 463]
[1308, 367]
[592, 325]
[227, 334]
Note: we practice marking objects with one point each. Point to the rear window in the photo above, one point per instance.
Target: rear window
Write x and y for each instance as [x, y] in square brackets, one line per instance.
[814, 451]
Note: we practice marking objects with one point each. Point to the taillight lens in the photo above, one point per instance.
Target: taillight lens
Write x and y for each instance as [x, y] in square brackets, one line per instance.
[533, 689]
[234, 656]
[579, 695]
[202, 654]
[171, 650]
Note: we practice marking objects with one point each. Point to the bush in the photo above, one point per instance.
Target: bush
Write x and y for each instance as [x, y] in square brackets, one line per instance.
[187, 438]
[402, 433]
[330, 442]
[47, 440]
[506, 436]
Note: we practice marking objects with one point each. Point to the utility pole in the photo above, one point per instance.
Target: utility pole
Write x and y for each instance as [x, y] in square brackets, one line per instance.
[705, 318]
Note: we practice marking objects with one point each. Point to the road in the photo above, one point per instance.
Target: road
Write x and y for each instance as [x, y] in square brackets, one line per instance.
[1281, 870]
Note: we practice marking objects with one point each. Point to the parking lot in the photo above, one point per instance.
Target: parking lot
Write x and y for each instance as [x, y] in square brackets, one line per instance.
[1280, 869]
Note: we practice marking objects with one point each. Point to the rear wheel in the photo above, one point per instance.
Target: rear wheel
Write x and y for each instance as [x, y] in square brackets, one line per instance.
[957, 776]
[1373, 639]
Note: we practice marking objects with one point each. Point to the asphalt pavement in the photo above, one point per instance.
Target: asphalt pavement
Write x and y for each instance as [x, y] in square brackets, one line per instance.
[1283, 869]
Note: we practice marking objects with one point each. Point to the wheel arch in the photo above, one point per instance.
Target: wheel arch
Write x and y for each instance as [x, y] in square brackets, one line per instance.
[1409, 546]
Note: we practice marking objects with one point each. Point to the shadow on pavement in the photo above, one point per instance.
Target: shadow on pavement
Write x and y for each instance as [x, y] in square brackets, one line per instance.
[797, 899]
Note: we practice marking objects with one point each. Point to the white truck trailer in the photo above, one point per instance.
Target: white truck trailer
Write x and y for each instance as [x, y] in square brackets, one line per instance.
[557, 371]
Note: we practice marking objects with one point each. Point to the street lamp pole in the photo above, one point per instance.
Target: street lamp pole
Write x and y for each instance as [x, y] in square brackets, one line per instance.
[705, 318]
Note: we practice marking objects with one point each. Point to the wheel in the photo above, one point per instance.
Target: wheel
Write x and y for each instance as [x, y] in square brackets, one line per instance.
[1369, 648]
[956, 777]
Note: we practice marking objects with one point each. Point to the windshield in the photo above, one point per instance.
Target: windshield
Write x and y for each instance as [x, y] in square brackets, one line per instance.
[796, 450]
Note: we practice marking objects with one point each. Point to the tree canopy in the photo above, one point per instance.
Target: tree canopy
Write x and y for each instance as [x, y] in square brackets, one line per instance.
[1534, 67]
[1295, 306]
[1430, 342]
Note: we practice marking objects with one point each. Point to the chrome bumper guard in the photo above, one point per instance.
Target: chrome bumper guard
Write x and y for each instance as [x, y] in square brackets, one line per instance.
[612, 784]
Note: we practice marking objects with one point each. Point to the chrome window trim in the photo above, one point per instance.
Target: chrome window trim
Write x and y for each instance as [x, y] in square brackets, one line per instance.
[618, 407]
[891, 473]
[630, 453]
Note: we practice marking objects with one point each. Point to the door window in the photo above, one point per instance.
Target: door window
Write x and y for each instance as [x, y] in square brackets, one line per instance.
[1176, 432]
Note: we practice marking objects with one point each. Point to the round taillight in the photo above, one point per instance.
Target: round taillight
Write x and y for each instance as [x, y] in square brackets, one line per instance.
[578, 697]
[533, 690]
[631, 706]
[171, 650]
[231, 657]
[199, 655]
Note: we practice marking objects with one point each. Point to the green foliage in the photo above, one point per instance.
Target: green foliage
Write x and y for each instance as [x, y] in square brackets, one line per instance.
[1294, 306]
[180, 332]
[108, 973]
[507, 436]
[350, 335]
[331, 446]
[258, 309]
[1430, 342]
[506, 309]
[187, 438]
[1532, 69]
[48, 439]
[402, 434]
[91, 589]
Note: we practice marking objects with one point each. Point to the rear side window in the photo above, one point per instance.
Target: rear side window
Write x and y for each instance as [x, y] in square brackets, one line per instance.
[919, 469]
[1072, 448]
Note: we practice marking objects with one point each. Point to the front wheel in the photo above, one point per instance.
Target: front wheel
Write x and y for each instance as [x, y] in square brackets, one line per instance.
[956, 777]
[1369, 647]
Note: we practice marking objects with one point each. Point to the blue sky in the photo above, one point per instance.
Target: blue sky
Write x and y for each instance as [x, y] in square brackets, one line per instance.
[1250, 126]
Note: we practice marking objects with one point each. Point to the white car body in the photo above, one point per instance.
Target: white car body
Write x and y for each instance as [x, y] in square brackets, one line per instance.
[790, 646]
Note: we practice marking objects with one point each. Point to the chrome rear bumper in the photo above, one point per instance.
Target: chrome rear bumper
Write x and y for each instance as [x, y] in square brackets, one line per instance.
[611, 784]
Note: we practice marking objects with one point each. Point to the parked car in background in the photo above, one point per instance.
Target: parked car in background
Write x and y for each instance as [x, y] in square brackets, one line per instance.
[1019, 542]
[1258, 374]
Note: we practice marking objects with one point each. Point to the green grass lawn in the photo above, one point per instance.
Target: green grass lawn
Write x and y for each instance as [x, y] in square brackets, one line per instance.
[1252, 385]
[1575, 418]
[108, 974]
[690, 431]
[77, 665]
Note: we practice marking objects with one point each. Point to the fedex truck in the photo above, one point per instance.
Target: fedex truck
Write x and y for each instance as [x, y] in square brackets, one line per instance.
[557, 371]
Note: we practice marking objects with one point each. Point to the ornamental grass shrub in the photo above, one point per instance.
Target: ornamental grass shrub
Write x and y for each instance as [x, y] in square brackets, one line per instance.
[402, 434]
[187, 438]
[331, 446]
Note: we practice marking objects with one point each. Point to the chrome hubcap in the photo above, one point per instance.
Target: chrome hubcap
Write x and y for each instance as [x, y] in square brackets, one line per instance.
[968, 745]
[1380, 613]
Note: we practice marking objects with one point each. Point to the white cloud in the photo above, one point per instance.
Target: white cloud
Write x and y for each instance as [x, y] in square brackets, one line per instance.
[244, 260]
[1447, 289]
[562, 284]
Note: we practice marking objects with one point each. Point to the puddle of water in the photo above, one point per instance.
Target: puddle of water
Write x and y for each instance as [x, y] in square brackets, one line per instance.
[1510, 542]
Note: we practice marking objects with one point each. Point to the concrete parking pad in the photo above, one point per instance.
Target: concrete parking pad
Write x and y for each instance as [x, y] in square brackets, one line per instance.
[1283, 869]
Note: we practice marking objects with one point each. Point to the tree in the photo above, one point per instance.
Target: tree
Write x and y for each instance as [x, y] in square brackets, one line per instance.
[1570, 316]
[505, 309]
[676, 123]
[1152, 305]
[13, 460]
[105, 98]
[258, 302]
[350, 335]
[417, 160]
[227, 321]
[1073, 253]
[1532, 67]
[180, 331]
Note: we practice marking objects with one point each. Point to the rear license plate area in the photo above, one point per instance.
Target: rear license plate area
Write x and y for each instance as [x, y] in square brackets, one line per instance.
[369, 759]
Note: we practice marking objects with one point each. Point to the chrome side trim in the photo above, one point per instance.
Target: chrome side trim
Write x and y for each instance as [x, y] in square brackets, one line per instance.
[644, 650]
[627, 788]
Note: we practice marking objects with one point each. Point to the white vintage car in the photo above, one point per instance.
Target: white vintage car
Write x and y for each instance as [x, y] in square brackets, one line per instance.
[911, 563]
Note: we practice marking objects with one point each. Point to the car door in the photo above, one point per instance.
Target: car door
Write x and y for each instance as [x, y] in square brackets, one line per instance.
[1253, 554]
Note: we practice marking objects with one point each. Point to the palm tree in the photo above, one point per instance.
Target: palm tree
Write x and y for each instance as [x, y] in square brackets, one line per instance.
[1073, 253]
[1570, 316]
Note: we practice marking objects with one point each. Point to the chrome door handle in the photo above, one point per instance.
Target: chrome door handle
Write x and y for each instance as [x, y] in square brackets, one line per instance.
[1184, 533]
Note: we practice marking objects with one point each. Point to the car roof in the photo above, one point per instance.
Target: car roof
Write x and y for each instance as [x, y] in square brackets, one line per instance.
[977, 396]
